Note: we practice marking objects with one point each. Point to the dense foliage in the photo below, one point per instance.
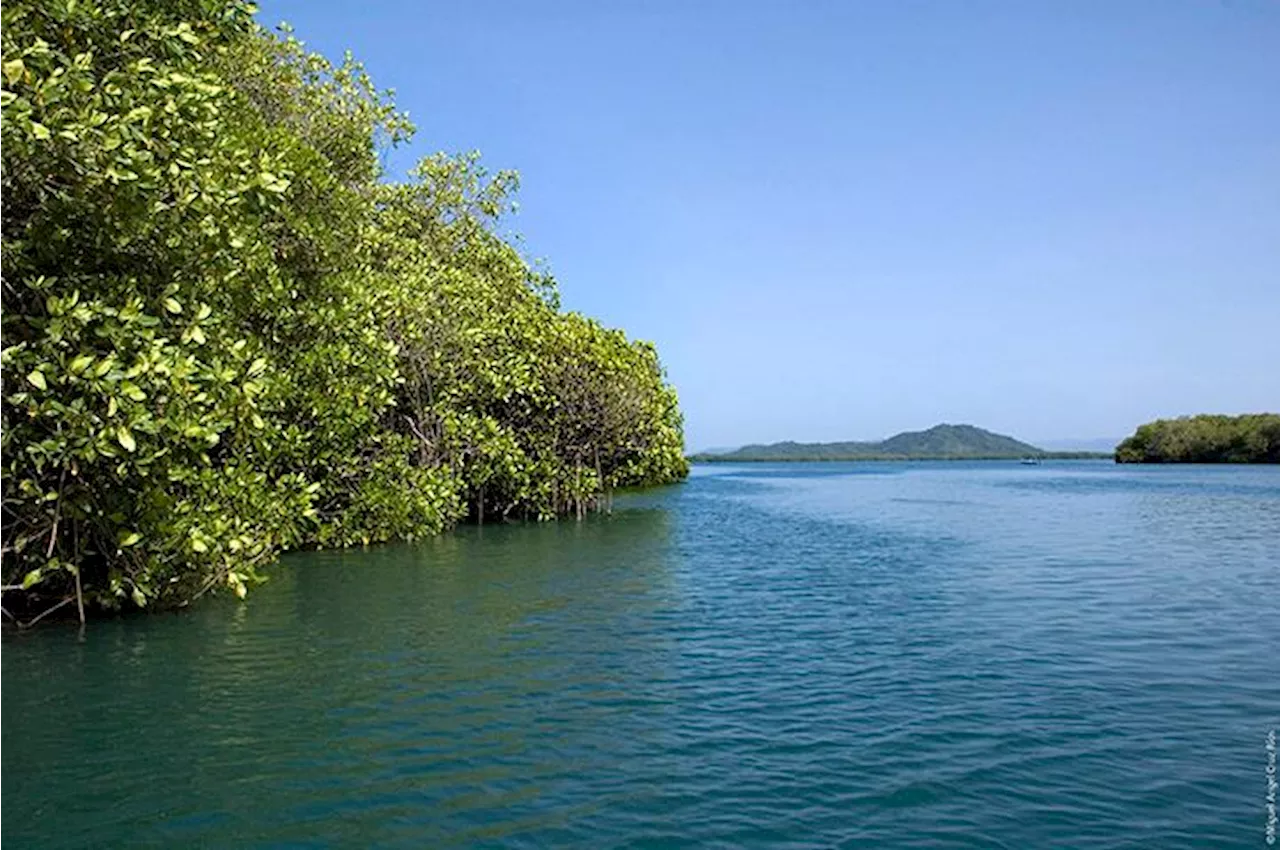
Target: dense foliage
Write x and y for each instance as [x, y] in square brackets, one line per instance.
[1252, 438]
[225, 334]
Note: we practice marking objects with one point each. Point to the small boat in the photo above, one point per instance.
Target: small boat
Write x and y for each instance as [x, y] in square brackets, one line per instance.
[1031, 461]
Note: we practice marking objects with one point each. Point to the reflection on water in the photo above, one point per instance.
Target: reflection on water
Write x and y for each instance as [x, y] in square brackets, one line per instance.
[343, 688]
[976, 655]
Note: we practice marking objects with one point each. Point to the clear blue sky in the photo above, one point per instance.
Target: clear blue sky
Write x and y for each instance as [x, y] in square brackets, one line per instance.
[839, 220]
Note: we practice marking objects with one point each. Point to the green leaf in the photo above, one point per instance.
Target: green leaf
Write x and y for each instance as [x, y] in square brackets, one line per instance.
[125, 437]
[139, 598]
[37, 379]
[13, 70]
[130, 539]
[32, 578]
[40, 131]
[272, 183]
[80, 363]
[171, 304]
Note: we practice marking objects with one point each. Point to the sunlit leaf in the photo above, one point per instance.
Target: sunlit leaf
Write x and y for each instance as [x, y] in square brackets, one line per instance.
[125, 437]
[13, 70]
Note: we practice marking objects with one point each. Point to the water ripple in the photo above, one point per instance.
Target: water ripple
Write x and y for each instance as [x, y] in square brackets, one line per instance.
[905, 655]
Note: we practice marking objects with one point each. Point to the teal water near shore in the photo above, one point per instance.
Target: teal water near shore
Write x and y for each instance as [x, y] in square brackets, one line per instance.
[803, 655]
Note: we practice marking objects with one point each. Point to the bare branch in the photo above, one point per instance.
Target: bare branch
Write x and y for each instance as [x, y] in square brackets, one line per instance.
[46, 613]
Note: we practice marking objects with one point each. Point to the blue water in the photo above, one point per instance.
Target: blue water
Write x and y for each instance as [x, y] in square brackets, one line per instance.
[811, 655]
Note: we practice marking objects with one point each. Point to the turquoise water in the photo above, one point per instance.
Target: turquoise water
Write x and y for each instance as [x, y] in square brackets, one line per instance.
[813, 655]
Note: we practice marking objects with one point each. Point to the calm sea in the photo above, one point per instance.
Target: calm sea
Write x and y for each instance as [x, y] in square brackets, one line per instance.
[981, 655]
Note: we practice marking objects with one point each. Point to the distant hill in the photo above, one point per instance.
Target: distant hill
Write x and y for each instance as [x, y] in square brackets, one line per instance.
[941, 442]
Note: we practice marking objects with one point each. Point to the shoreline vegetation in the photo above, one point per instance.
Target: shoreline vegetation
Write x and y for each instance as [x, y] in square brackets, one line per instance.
[941, 442]
[713, 458]
[1206, 438]
[228, 334]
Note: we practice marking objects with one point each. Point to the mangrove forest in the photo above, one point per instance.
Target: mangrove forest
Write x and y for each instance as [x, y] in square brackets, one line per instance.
[229, 333]
[1251, 438]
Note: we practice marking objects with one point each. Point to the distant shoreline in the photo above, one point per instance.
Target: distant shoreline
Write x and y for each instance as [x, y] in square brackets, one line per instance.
[702, 458]
[941, 442]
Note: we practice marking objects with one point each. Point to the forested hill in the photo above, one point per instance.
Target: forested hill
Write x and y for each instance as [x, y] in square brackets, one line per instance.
[1252, 438]
[942, 442]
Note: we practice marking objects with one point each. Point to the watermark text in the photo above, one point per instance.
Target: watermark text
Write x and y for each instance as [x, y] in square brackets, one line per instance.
[1271, 787]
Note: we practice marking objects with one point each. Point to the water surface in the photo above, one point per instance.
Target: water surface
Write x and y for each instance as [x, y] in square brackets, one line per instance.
[798, 655]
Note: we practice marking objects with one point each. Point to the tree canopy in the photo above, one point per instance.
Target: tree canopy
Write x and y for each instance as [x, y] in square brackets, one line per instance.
[227, 334]
[1252, 438]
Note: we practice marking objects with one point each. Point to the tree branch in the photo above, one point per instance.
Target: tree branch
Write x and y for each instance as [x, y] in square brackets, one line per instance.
[46, 613]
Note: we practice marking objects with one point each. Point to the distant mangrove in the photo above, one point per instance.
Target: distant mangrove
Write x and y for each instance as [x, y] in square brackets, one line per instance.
[1251, 438]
